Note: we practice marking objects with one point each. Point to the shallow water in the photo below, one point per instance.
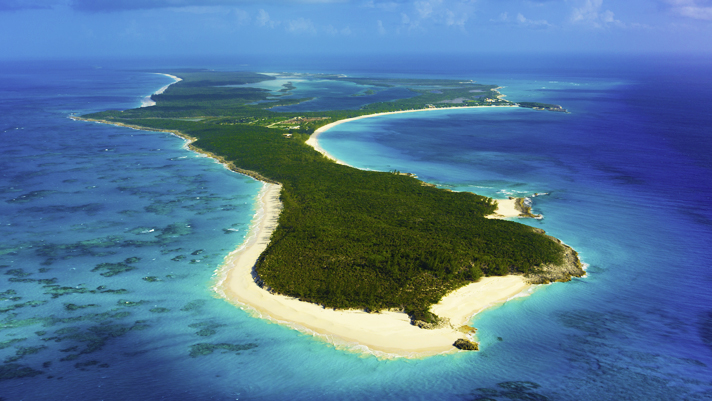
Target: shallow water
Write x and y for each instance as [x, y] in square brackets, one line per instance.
[113, 236]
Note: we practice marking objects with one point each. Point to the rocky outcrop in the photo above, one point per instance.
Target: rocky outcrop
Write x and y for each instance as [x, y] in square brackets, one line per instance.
[523, 205]
[438, 323]
[466, 345]
[571, 267]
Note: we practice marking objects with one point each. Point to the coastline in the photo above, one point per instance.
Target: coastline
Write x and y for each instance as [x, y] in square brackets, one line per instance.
[506, 208]
[313, 140]
[148, 102]
[387, 334]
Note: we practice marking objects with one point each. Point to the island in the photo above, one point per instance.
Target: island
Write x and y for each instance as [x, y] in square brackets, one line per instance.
[376, 261]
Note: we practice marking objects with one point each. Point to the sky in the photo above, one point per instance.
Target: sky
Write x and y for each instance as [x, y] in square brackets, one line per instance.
[119, 28]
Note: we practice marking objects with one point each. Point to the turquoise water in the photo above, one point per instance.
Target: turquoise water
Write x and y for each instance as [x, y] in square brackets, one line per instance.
[111, 238]
[635, 206]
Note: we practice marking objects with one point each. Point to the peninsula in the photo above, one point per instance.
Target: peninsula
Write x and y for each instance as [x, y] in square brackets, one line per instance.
[367, 259]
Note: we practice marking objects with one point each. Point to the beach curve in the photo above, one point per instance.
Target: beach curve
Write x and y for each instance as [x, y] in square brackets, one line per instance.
[506, 208]
[385, 334]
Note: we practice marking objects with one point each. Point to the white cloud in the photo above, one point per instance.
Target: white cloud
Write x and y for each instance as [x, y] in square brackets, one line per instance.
[263, 19]
[119, 5]
[383, 5]
[300, 25]
[695, 9]
[590, 13]
[423, 15]
[425, 8]
[504, 17]
[381, 29]
[201, 9]
[704, 13]
[449, 13]
[522, 20]
[452, 19]
[587, 12]
[329, 29]
[241, 16]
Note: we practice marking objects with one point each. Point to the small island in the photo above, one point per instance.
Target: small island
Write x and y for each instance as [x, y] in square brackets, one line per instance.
[375, 259]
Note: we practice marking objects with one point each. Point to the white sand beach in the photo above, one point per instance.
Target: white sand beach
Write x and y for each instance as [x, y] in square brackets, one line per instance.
[506, 208]
[313, 140]
[148, 102]
[387, 334]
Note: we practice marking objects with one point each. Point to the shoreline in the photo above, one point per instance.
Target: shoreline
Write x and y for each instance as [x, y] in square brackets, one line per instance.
[313, 140]
[386, 334]
[148, 102]
[506, 208]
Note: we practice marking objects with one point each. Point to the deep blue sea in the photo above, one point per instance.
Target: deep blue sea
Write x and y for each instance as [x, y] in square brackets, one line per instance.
[110, 238]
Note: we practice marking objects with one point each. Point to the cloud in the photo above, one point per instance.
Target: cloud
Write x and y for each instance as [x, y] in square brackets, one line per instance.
[124, 5]
[383, 5]
[300, 26]
[590, 13]
[520, 20]
[452, 19]
[263, 19]
[381, 29]
[241, 16]
[201, 10]
[532, 23]
[426, 13]
[329, 29]
[587, 12]
[504, 17]
[425, 8]
[695, 9]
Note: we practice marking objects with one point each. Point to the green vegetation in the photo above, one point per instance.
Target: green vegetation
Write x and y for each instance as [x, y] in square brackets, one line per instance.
[541, 106]
[346, 238]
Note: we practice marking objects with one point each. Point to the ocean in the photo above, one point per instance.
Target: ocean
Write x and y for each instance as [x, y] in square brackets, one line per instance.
[112, 237]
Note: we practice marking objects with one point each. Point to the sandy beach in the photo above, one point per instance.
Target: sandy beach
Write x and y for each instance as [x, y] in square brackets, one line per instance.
[313, 140]
[386, 335]
[506, 208]
[148, 102]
